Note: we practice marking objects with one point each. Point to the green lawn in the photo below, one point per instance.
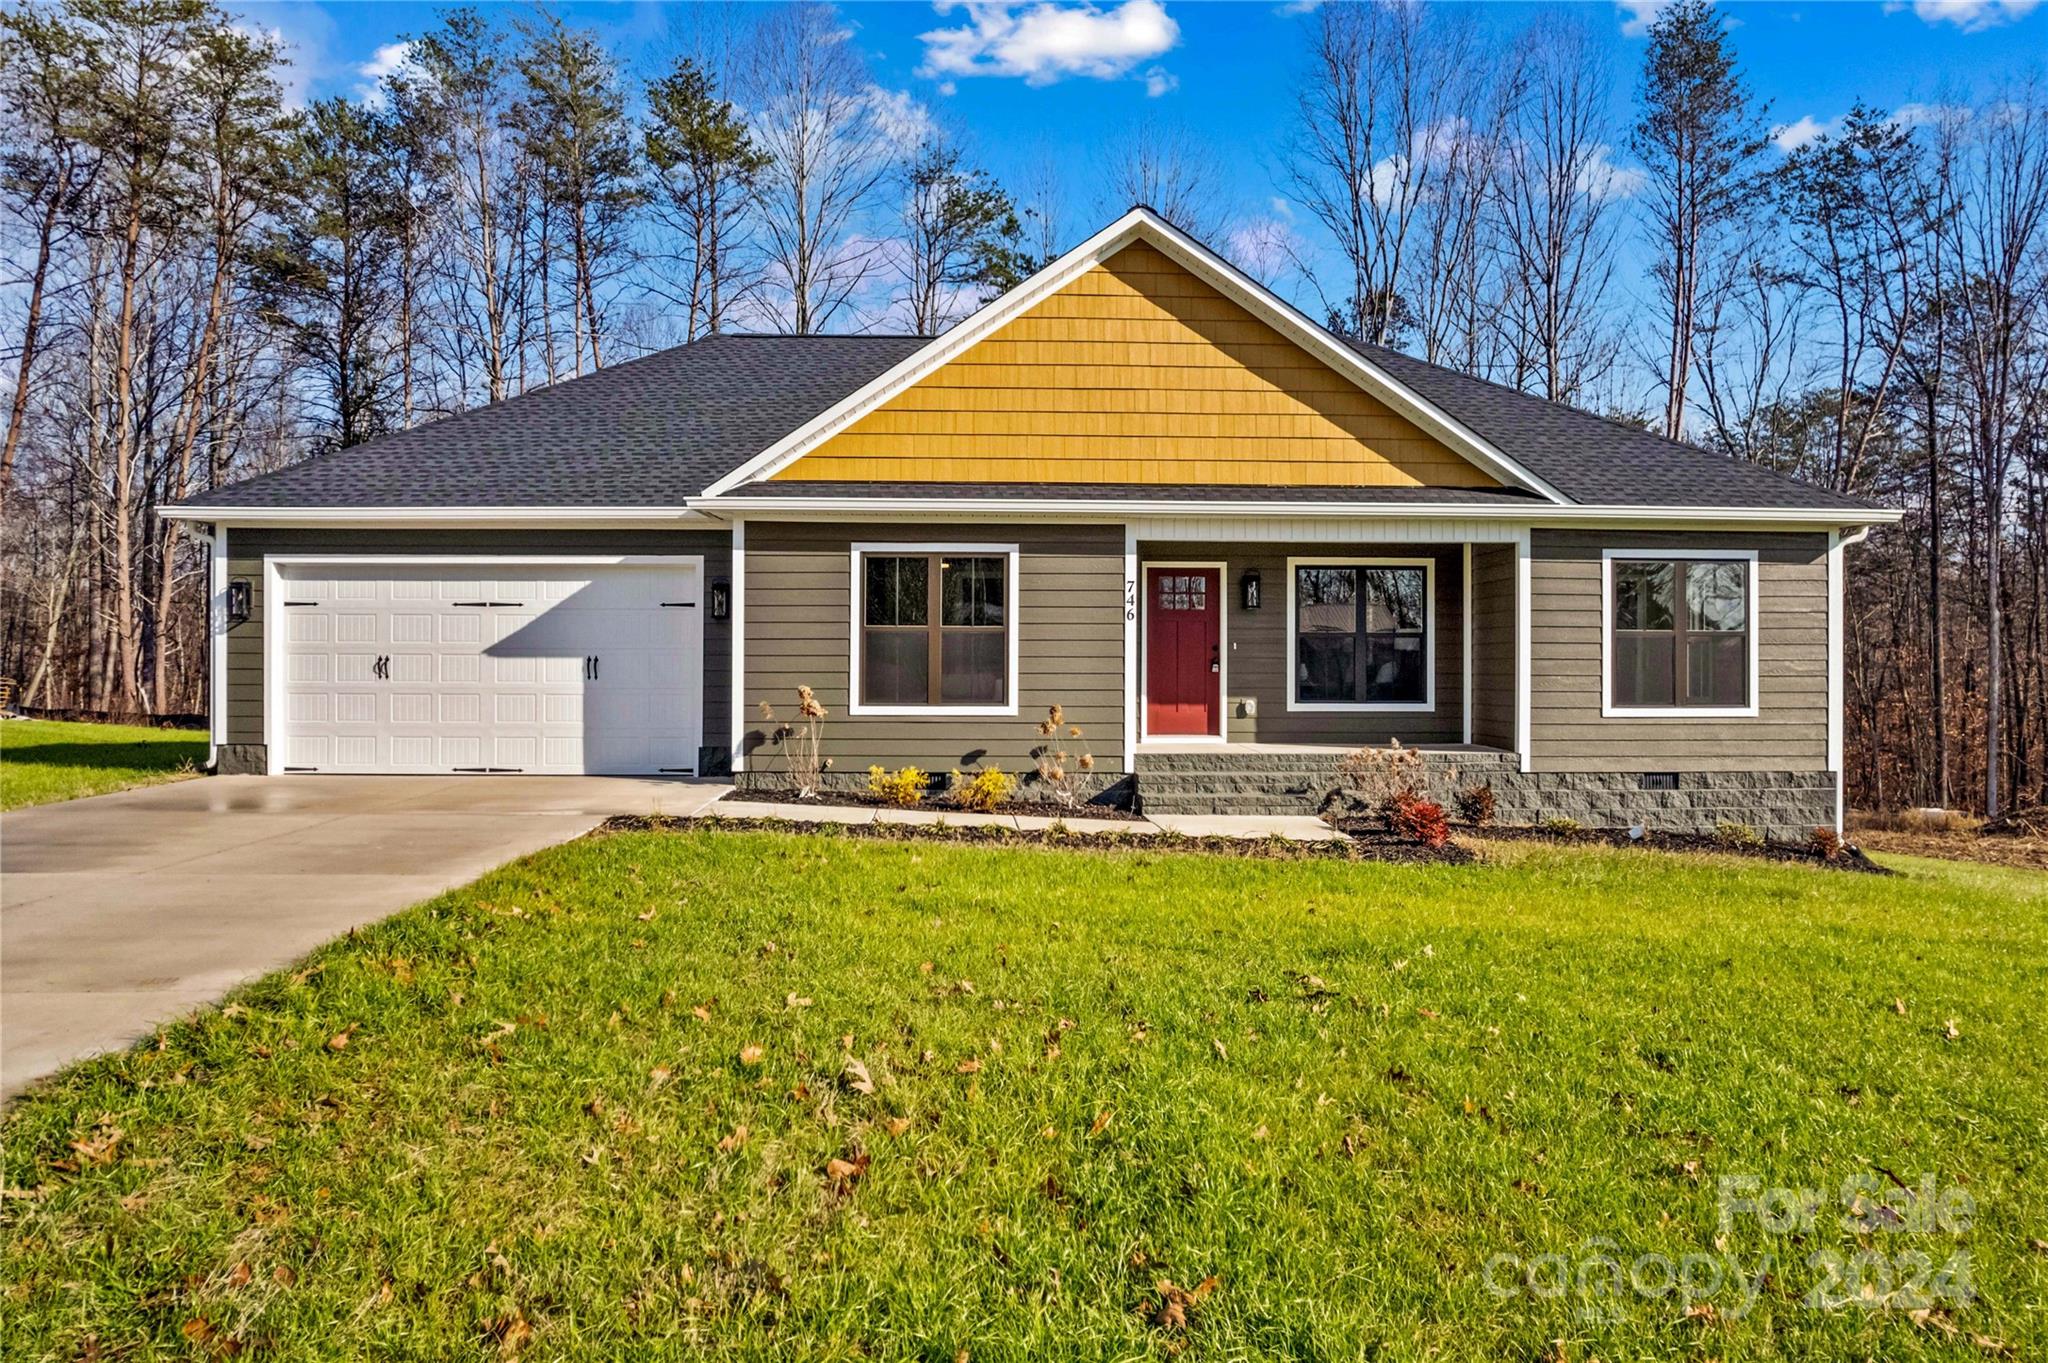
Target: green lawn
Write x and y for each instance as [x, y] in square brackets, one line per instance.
[43, 760]
[526, 1118]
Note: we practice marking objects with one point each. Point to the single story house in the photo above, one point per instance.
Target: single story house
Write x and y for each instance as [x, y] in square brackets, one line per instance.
[1140, 486]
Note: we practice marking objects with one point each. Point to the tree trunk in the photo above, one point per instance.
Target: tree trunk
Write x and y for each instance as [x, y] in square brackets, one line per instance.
[18, 411]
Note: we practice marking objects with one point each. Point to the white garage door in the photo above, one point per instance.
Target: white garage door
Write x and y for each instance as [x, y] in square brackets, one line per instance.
[482, 667]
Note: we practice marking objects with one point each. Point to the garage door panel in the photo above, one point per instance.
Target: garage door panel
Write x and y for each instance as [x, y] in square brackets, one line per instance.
[461, 627]
[501, 685]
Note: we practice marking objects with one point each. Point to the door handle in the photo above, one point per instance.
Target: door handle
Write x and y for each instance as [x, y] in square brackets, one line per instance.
[1215, 657]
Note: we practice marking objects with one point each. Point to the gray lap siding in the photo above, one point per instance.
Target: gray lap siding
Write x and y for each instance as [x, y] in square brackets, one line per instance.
[248, 548]
[1568, 733]
[799, 620]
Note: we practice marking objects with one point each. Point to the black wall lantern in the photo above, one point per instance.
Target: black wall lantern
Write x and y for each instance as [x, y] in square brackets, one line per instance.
[1248, 589]
[721, 598]
[238, 601]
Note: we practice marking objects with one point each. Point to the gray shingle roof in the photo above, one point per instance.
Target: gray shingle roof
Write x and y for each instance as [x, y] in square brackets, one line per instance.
[1592, 459]
[648, 432]
[660, 429]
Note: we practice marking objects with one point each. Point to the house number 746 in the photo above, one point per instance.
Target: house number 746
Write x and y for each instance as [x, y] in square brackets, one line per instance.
[1130, 598]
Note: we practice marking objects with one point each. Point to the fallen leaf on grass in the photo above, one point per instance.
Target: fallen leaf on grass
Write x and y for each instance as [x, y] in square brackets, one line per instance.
[1101, 1121]
[241, 1274]
[659, 1075]
[98, 1148]
[792, 1001]
[702, 1012]
[896, 1126]
[1899, 1007]
[198, 1329]
[1949, 1031]
[968, 1067]
[751, 1054]
[1261, 1133]
[1221, 1053]
[339, 1041]
[855, 1076]
[1429, 1014]
[733, 1142]
[647, 917]
[283, 1276]
[846, 1171]
[1171, 1312]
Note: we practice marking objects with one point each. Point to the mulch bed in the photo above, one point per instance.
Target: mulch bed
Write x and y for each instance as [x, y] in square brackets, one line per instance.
[860, 799]
[1851, 858]
[1380, 847]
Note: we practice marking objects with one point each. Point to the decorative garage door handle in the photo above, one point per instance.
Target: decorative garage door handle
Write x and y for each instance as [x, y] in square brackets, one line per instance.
[590, 669]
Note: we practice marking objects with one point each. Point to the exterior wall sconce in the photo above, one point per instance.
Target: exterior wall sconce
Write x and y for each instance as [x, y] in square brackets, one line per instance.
[721, 599]
[238, 601]
[1248, 589]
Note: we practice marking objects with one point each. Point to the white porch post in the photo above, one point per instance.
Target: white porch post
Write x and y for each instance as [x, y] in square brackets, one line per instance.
[738, 702]
[217, 645]
[1523, 651]
[1131, 648]
[1465, 618]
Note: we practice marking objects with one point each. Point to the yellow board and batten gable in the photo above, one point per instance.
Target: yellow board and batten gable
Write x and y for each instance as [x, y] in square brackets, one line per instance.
[1138, 371]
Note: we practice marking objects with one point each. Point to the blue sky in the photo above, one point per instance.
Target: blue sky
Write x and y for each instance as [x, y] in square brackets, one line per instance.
[1056, 80]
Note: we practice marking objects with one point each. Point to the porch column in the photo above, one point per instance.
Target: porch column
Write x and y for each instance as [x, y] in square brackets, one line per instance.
[1523, 669]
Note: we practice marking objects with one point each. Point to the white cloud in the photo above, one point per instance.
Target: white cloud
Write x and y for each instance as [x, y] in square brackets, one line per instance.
[1281, 207]
[1265, 249]
[1927, 115]
[1046, 42]
[388, 60]
[903, 119]
[1638, 15]
[1600, 178]
[1974, 16]
[1159, 81]
[1290, 8]
[1790, 137]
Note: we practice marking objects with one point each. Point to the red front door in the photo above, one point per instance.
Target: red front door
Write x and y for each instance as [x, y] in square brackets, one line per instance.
[1183, 651]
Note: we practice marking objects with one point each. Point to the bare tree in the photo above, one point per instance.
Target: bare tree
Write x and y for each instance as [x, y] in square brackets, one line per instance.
[827, 154]
[1380, 96]
[1559, 232]
[1044, 205]
[1999, 235]
[1164, 169]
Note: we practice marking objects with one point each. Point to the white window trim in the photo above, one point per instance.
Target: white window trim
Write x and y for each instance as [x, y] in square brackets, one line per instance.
[1222, 571]
[1679, 713]
[1429, 642]
[1013, 628]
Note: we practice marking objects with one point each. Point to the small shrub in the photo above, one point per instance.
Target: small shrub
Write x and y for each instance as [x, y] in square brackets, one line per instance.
[1376, 775]
[903, 787]
[1826, 843]
[1739, 835]
[984, 790]
[1418, 820]
[1559, 824]
[1475, 805]
[802, 743]
[1059, 770]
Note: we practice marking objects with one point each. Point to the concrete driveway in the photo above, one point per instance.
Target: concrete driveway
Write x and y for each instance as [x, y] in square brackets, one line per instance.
[126, 910]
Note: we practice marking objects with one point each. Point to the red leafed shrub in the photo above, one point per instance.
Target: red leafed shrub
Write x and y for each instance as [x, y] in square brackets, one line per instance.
[1418, 820]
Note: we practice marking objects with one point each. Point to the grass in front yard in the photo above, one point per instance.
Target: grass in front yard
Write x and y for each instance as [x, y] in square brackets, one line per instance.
[600, 1104]
[44, 760]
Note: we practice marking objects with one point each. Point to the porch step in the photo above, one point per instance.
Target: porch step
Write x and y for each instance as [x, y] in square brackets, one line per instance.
[1264, 781]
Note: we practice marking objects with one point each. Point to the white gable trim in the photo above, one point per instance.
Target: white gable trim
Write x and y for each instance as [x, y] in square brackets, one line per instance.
[1139, 223]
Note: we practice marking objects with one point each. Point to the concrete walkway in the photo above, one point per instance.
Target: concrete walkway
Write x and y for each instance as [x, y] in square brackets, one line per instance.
[125, 910]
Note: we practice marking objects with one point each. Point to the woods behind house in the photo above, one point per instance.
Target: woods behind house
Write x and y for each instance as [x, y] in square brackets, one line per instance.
[205, 284]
